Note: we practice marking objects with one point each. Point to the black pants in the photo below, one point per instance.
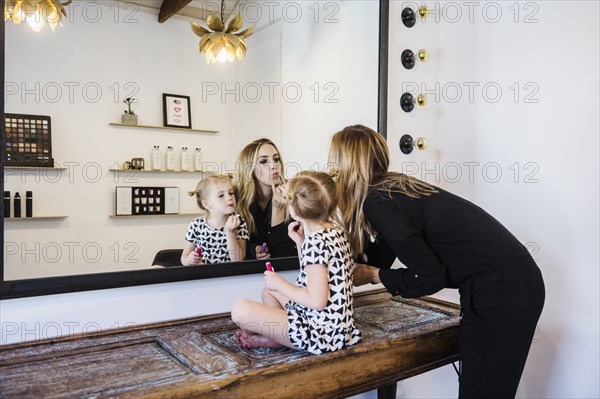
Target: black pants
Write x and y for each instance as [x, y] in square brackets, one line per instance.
[500, 311]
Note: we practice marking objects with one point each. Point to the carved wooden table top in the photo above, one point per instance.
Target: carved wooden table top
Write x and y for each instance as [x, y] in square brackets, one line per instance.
[199, 357]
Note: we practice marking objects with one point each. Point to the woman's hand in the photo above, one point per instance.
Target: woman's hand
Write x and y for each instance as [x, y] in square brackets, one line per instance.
[232, 223]
[278, 201]
[260, 255]
[296, 233]
[365, 274]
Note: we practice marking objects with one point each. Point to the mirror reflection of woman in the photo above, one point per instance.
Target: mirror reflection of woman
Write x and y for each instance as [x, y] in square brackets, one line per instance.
[259, 182]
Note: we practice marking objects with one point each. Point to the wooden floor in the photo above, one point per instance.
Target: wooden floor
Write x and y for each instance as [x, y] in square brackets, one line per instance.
[200, 358]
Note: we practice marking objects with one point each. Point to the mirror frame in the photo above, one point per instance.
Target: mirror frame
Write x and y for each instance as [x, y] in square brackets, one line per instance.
[100, 281]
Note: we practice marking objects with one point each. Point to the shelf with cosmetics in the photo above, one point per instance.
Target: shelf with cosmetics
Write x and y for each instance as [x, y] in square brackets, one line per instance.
[177, 129]
[36, 218]
[35, 167]
[154, 215]
[155, 171]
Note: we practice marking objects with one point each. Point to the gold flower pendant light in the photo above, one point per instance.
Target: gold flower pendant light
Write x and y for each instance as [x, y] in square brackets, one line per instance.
[221, 43]
[35, 12]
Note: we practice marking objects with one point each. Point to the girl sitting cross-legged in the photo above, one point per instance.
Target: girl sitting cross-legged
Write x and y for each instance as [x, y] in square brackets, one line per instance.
[316, 313]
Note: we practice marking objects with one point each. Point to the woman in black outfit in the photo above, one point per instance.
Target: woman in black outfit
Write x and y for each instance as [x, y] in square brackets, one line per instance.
[260, 201]
[445, 242]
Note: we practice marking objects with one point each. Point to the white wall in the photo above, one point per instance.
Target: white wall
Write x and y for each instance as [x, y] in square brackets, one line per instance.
[544, 144]
[558, 214]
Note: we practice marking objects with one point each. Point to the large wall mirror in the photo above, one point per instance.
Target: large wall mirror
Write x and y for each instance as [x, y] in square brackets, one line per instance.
[311, 69]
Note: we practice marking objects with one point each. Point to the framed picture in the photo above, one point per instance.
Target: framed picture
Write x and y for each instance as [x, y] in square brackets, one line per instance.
[177, 111]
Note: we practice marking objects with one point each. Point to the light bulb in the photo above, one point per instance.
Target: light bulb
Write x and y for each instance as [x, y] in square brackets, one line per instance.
[35, 21]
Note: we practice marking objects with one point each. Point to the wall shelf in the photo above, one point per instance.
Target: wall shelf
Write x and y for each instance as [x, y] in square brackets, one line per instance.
[165, 128]
[155, 171]
[34, 167]
[35, 218]
[143, 216]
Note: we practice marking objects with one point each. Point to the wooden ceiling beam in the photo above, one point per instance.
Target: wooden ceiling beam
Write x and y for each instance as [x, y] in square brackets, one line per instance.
[170, 8]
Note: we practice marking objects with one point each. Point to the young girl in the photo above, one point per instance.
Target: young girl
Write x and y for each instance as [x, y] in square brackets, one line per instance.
[315, 314]
[220, 235]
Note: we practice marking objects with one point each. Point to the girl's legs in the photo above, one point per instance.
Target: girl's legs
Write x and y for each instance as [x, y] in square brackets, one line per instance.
[262, 325]
[274, 299]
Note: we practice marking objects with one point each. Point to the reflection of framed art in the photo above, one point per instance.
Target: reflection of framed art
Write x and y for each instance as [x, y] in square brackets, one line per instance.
[177, 111]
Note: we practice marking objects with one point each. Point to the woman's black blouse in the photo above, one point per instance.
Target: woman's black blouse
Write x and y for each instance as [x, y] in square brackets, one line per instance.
[276, 237]
[442, 240]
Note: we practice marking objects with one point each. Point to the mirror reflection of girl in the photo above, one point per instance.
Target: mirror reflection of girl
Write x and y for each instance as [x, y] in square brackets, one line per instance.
[316, 313]
[259, 181]
[445, 242]
[220, 234]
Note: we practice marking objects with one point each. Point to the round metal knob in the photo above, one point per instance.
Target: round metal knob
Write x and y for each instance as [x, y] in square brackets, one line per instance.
[407, 144]
[423, 12]
[408, 58]
[408, 101]
[409, 16]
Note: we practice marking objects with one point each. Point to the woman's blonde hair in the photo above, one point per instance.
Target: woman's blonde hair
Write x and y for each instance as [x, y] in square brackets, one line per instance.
[359, 160]
[246, 182]
[203, 188]
[312, 196]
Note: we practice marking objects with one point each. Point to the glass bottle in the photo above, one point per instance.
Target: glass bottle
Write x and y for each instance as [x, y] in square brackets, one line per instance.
[156, 161]
[185, 159]
[17, 205]
[198, 160]
[28, 204]
[170, 158]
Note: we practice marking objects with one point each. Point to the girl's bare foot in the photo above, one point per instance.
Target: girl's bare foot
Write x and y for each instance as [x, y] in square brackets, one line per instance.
[247, 339]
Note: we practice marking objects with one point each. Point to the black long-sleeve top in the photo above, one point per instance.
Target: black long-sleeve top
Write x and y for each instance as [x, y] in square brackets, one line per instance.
[442, 240]
[276, 237]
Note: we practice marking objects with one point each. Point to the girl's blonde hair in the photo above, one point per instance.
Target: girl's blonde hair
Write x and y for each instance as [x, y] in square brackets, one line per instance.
[360, 159]
[312, 196]
[246, 182]
[204, 185]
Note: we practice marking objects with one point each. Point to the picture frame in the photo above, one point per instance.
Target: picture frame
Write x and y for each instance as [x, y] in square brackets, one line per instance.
[177, 111]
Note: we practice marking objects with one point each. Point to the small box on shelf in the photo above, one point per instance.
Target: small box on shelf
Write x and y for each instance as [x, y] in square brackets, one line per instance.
[133, 201]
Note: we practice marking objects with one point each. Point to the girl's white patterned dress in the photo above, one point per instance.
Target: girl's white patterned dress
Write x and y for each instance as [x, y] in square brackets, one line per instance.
[333, 327]
[213, 241]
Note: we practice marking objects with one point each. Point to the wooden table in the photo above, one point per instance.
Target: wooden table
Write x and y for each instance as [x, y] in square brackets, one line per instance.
[199, 358]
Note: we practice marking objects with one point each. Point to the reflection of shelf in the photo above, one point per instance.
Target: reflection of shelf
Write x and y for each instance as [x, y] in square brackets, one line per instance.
[34, 167]
[165, 128]
[36, 218]
[155, 171]
[141, 216]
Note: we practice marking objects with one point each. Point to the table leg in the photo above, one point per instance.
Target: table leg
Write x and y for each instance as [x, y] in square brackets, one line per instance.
[387, 392]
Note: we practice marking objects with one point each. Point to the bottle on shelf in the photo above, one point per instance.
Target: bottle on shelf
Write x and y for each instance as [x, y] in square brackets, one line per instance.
[7, 204]
[17, 205]
[198, 160]
[170, 158]
[156, 161]
[28, 204]
[185, 160]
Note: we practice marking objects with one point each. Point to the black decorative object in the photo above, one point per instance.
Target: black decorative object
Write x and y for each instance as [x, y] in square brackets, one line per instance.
[408, 17]
[28, 204]
[408, 58]
[28, 140]
[407, 102]
[407, 144]
[17, 205]
[7, 204]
